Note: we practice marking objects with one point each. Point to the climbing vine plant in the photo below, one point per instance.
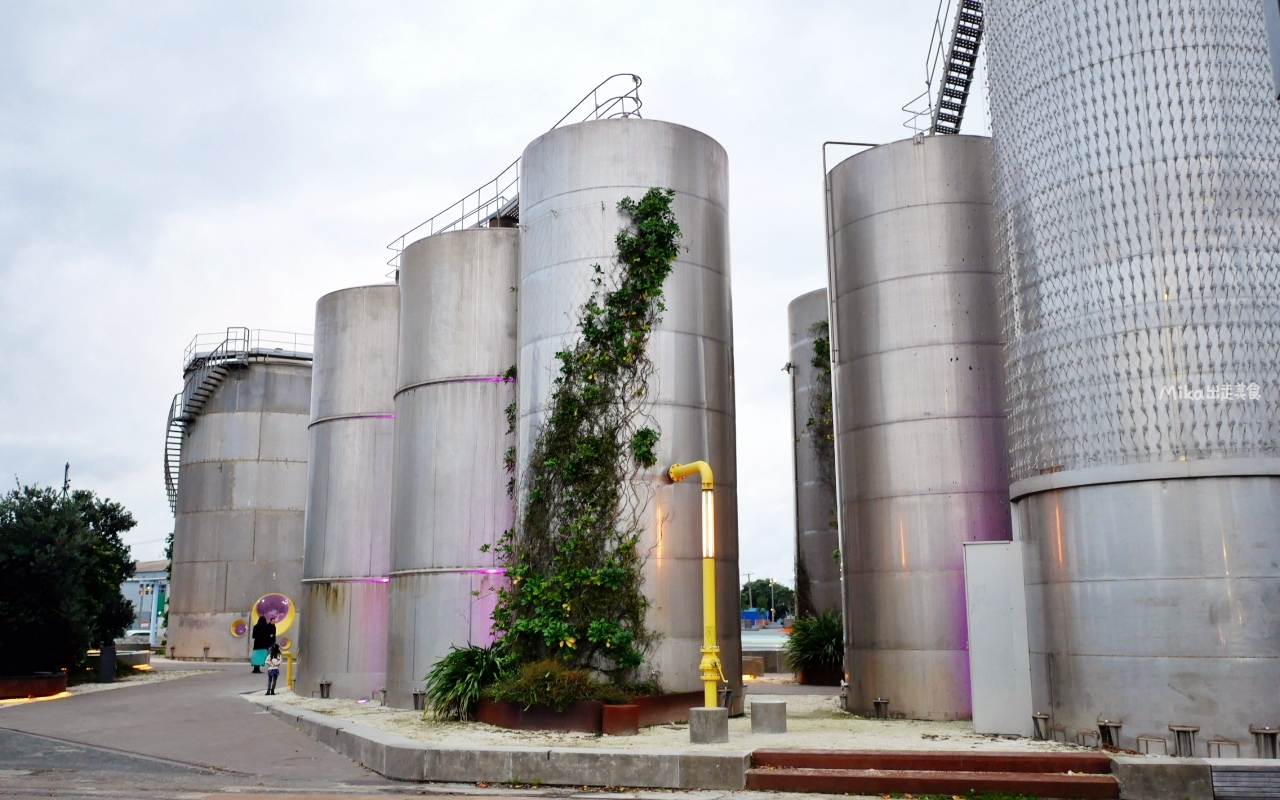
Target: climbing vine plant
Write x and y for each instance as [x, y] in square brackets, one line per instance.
[573, 556]
[821, 424]
[821, 430]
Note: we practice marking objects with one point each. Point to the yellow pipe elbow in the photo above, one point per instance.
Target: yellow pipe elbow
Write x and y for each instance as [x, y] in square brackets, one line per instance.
[679, 472]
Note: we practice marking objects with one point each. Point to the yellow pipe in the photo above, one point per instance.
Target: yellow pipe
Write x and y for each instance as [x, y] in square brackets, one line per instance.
[709, 666]
[288, 668]
[679, 472]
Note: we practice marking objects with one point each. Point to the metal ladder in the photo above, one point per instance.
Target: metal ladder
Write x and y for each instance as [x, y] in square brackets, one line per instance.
[209, 371]
[957, 68]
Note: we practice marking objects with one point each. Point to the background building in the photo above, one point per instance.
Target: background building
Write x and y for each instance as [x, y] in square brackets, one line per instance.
[148, 590]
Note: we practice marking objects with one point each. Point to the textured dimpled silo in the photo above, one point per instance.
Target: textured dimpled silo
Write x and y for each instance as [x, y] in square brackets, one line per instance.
[348, 522]
[919, 422]
[572, 179]
[241, 502]
[457, 341]
[813, 457]
[1136, 166]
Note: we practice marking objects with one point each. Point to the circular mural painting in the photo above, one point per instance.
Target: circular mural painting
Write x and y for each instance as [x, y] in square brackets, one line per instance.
[277, 609]
[284, 642]
[239, 628]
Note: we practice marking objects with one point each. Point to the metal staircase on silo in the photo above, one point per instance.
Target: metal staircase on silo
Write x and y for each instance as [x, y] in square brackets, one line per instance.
[204, 372]
[958, 67]
[497, 203]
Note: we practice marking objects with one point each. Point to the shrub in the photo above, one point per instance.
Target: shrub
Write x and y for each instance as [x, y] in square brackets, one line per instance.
[456, 682]
[62, 563]
[816, 642]
[555, 684]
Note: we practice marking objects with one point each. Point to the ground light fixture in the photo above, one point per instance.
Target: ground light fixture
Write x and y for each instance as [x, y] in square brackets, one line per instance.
[709, 666]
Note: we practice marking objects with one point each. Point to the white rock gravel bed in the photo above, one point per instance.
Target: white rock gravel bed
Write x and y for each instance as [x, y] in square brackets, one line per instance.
[813, 722]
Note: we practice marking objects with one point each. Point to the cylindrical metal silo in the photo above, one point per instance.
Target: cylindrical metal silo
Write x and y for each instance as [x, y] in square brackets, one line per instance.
[920, 427]
[1139, 234]
[813, 456]
[348, 523]
[573, 178]
[241, 498]
[457, 341]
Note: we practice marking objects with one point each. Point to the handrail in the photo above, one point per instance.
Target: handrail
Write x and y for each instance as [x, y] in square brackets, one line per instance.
[500, 197]
[488, 201]
[609, 103]
[203, 369]
[245, 341]
[933, 58]
[174, 429]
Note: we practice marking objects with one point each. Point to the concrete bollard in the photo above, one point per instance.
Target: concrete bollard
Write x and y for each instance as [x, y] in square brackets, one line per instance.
[708, 725]
[769, 716]
[107, 663]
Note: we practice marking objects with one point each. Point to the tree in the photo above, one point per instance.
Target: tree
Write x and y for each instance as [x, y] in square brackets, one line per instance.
[757, 592]
[61, 566]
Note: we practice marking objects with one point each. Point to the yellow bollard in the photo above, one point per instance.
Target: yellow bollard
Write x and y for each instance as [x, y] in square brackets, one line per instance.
[709, 666]
[288, 668]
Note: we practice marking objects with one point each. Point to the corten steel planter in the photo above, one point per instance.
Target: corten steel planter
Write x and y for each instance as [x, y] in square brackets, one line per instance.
[582, 715]
[585, 715]
[820, 676]
[620, 720]
[32, 686]
[661, 708]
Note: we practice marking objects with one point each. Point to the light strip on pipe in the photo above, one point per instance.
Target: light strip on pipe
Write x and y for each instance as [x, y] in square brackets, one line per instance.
[708, 524]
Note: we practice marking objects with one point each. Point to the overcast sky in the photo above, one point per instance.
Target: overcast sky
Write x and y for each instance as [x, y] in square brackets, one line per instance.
[177, 168]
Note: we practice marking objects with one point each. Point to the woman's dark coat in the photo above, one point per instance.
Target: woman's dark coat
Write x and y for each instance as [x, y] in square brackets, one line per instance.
[264, 634]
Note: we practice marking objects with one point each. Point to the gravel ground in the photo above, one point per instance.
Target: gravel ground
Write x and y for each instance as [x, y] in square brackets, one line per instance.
[813, 722]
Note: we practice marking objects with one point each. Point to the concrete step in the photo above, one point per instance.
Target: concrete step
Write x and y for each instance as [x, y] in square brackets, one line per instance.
[886, 782]
[1059, 775]
[1092, 763]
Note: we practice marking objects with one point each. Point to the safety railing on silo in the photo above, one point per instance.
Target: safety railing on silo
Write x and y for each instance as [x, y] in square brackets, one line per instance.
[205, 362]
[499, 199]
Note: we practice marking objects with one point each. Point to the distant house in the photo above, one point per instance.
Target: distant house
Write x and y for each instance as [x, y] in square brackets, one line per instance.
[148, 590]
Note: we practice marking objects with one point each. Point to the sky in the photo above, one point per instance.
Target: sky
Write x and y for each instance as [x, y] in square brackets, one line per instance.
[177, 168]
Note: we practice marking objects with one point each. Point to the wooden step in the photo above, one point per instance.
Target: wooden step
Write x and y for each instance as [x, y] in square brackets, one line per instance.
[934, 761]
[877, 781]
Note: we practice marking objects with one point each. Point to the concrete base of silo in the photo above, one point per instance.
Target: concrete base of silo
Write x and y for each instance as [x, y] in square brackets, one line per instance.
[207, 637]
[344, 635]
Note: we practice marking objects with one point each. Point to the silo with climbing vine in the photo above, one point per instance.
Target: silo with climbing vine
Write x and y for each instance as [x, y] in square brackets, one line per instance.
[591, 221]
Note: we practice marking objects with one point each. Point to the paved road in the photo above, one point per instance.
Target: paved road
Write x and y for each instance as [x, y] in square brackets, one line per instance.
[182, 735]
[197, 738]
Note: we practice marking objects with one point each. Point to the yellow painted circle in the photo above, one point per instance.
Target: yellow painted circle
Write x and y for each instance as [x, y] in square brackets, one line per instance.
[275, 602]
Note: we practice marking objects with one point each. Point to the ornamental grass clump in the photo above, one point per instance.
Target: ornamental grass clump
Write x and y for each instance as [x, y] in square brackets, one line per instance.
[554, 684]
[816, 642]
[572, 558]
[456, 682]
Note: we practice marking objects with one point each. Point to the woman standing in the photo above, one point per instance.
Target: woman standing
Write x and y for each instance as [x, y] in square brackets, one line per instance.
[264, 636]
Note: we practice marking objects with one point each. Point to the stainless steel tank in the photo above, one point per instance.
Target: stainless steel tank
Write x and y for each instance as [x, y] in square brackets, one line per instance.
[348, 523]
[457, 340]
[1139, 236]
[240, 502]
[572, 180]
[813, 458]
[920, 427]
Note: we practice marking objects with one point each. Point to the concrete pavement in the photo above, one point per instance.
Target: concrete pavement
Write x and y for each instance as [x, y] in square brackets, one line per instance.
[196, 738]
[185, 734]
